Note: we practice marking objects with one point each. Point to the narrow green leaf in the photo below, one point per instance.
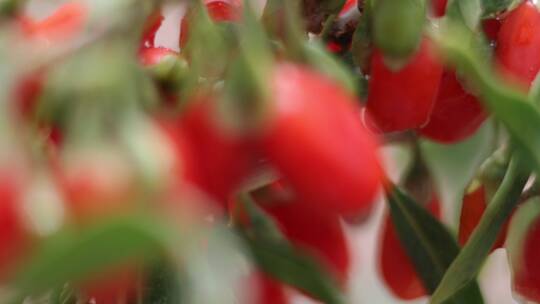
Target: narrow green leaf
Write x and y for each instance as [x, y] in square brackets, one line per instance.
[467, 12]
[493, 7]
[289, 265]
[467, 264]
[163, 285]
[428, 243]
[362, 41]
[72, 255]
[274, 255]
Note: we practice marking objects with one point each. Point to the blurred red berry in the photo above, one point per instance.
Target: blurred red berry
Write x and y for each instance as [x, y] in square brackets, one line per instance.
[438, 7]
[525, 262]
[221, 160]
[403, 99]
[318, 143]
[267, 290]
[518, 44]
[456, 115]
[66, 22]
[218, 10]
[396, 267]
[491, 27]
[14, 236]
[472, 210]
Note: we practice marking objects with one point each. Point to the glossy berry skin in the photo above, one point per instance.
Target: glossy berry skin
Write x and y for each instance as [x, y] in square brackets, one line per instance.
[402, 100]
[218, 10]
[396, 267]
[456, 115]
[472, 209]
[13, 235]
[316, 140]
[518, 44]
[267, 290]
[221, 160]
[66, 22]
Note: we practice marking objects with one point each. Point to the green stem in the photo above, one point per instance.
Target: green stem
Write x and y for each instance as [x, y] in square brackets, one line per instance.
[467, 264]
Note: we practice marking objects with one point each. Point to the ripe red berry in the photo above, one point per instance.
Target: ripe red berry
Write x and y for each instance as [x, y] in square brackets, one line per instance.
[318, 143]
[349, 5]
[14, 236]
[218, 10]
[472, 209]
[96, 184]
[267, 290]
[456, 115]
[438, 7]
[523, 251]
[518, 44]
[403, 99]
[396, 267]
[221, 160]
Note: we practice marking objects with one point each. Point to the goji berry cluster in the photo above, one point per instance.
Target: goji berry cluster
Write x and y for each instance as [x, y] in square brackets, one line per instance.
[267, 125]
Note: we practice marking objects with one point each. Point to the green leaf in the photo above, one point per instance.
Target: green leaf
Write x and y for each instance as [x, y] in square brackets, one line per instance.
[72, 255]
[163, 285]
[362, 41]
[429, 245]
[279, 259]
[467, 12]
[493, 7]
[469, 261]
[287, 264]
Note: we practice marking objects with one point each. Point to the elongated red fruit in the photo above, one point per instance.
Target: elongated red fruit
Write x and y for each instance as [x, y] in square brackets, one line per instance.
[67, 21]
[153, 23]
[218, 10]
[317, 141]
[149, 56]
[267, 290]
[474, 206]
[456, 115]
[438, 7]
[13, 235]
[518, 44]
[403, 99]
[221, 160]
[396, 267]
[117, 286]
[523, 250]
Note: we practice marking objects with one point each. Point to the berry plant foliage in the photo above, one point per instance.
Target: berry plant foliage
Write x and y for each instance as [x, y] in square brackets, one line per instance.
[231, 153]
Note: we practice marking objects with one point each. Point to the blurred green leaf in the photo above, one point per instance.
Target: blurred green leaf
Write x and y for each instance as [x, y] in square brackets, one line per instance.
[362, 41]
[279, 259]
[467, 264]
[467, 12]
[428, 243]
[74, 254]
[493, 7]
[163, 285]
